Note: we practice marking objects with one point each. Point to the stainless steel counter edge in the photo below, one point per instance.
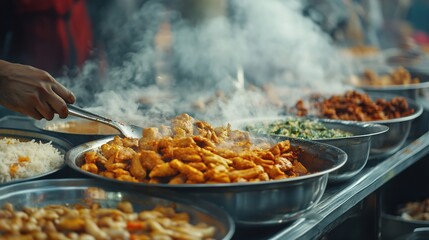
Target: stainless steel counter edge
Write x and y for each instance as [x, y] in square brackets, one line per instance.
[340, 198]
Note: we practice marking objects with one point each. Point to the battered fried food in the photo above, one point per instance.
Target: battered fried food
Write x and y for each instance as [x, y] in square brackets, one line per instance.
[194, 152]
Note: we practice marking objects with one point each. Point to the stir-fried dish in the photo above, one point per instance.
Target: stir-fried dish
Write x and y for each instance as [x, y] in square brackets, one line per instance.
[192, 151]
[354, 106]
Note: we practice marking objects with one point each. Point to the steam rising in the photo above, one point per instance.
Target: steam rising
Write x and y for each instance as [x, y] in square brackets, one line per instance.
[195, 67]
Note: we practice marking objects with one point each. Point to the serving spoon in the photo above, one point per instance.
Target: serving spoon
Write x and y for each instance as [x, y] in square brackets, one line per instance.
[130, 131]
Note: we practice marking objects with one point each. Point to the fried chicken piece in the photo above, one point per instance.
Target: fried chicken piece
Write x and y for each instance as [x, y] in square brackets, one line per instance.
[190, 172]
[246, 173]
[151, 133]
[114, 166]
[187, 154]
[198, 165]
[299, 169]
[240, 163]
[163, 170]
[209, 157]
[136, 168]
[203, 142]
[275, 172]
[206, 130]
[218, 174]
[91, 157]
[280, 148]
[178, 179]
[120, 152]
[90, 167]
[130, 142]
[150, 159]
[183, 125]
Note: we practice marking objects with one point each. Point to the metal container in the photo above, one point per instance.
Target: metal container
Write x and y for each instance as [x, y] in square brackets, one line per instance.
[82, 132]
[357, 147]
[412, 91]
[257, 203]
[386, 144]
[416, 92]
[26, 135]
[409, 186]
[72, 191]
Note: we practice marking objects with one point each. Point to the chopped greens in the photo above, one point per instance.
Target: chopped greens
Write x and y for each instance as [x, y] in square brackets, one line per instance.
[304, 129]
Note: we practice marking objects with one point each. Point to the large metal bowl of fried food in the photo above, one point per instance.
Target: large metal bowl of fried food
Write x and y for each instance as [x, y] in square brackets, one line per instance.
[257, 180]
[90, 209]
[352, 137]
[396, 112]
[400, 81]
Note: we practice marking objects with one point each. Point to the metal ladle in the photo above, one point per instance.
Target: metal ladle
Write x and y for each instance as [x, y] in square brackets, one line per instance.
[130, 131]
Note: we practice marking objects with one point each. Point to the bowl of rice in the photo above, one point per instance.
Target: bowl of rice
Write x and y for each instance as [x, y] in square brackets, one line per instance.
[27, 155]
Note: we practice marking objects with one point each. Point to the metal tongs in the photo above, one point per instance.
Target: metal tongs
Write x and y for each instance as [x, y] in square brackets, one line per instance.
[130, 131]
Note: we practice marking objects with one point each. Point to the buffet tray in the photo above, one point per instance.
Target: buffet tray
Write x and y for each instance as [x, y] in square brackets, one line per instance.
[338, 198]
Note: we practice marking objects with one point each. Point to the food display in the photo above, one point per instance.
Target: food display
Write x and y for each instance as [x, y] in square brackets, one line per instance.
[354, 106]
[24, 159]
[298, 128]
[400, 76]
[192, 151]
[94, 221]
[418, 210]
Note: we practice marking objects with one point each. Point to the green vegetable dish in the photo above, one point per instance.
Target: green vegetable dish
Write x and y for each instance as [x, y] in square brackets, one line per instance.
[304, 129]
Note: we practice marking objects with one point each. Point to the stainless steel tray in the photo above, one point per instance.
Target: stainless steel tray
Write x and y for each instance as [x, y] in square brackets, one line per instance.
[256, 203]
[71, 191]
[62, 145]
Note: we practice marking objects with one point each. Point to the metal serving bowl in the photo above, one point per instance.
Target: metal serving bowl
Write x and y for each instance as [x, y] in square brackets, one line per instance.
[415, 92]
[76, 130]
[258, 203]
[25, 135]
[386, 144]
[357, 146]
[411, 91]
[79, 191]
[409, 186]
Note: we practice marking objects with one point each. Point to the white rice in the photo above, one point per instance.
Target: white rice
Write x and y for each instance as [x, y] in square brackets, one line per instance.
[42, 158]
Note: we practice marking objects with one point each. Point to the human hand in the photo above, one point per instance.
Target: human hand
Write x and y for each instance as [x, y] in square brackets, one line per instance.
[32, 91]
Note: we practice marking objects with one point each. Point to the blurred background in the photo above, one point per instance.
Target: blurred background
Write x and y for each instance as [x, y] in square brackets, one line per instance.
[216, 59]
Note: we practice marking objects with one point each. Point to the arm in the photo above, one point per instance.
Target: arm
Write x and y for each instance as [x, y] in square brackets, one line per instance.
[32, 91]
